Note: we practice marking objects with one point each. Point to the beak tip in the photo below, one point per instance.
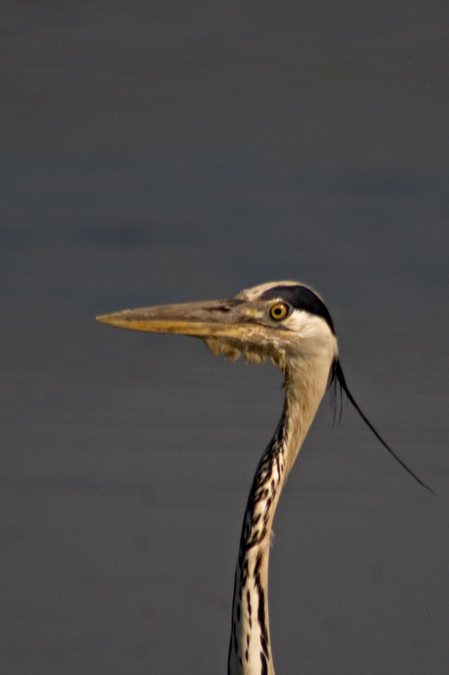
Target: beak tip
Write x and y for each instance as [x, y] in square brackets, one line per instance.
[104, 318]
[119, 319]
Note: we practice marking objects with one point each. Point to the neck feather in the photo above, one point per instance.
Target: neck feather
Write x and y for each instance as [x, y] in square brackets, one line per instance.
[250, 645]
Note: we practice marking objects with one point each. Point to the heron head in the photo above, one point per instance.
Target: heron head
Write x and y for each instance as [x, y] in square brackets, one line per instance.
[281, 321]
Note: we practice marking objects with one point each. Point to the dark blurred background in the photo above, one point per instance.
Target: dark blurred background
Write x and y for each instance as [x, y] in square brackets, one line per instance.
[167, 151]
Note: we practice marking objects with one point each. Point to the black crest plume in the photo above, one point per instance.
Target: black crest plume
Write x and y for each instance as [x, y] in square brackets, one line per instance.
[338, 377]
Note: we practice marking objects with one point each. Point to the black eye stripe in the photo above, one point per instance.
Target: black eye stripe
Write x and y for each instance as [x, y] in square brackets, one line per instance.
[300, 297]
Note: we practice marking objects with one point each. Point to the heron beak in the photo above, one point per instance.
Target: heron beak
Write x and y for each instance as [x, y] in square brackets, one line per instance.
[199, 319]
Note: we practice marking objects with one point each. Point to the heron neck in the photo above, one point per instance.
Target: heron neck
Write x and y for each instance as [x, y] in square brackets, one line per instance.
[250, 646]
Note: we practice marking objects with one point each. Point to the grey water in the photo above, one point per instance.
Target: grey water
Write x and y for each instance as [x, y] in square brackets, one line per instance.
[156, 152]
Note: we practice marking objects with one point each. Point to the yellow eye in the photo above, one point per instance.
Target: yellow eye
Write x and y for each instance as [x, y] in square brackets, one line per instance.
[279, 311]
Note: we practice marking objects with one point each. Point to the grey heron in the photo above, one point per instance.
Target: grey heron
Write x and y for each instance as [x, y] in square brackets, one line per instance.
[288, 323]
